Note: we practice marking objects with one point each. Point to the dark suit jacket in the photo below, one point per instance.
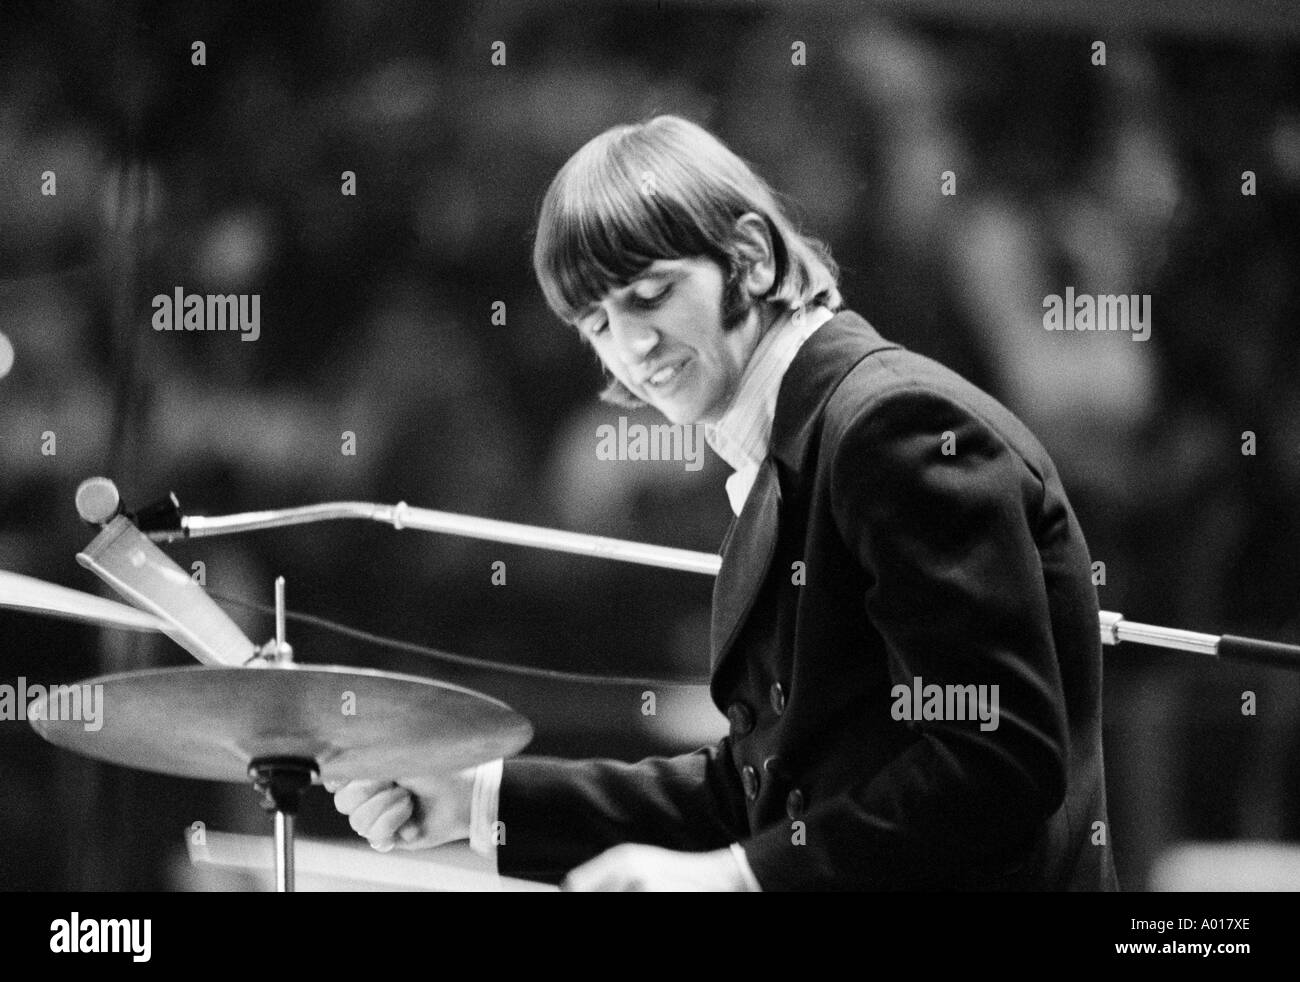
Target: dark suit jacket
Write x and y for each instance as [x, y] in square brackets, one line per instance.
[938, 544]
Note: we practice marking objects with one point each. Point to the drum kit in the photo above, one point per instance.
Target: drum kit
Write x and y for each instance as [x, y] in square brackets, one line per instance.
[250, 713]
[280, 725]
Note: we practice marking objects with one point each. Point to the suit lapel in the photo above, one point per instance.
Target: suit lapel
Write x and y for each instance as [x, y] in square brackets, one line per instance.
[745, 560]
[750, 543]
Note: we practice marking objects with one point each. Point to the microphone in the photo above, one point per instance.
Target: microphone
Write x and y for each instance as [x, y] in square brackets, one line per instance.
[123, 557]
[98, 501]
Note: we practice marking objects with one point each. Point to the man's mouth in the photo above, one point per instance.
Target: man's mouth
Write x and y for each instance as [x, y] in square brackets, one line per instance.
[665, 377]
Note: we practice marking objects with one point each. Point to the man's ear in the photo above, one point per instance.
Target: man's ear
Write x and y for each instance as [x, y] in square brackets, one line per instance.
[754, 246]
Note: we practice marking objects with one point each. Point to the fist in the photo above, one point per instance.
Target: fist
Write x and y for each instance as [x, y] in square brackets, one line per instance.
[413, 813]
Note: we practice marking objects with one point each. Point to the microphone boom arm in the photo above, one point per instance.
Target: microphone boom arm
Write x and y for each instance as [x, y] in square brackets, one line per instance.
[1113, 626]
[403, 516]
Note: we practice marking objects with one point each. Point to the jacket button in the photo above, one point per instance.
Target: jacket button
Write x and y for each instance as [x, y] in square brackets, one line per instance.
[741, 717]
[773, 767]
[794, 804]
[778, 698]
[749, 781]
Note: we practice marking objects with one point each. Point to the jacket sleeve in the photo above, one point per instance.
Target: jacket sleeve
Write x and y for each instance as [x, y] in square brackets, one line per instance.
[558, 814]
[938, 511]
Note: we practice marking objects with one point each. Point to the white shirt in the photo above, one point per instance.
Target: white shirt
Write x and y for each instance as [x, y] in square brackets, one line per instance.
[740, 437]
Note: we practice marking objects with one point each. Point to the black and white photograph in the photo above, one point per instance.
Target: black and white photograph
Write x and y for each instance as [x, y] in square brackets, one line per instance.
[728, 446]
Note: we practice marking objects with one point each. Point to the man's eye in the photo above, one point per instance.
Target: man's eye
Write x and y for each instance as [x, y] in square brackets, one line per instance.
[651, 301]
[596, 327]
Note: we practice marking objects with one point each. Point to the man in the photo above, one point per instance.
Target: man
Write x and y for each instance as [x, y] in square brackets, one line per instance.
[898, 534]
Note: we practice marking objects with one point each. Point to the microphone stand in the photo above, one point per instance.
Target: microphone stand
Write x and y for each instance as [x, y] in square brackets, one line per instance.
[1113, 626]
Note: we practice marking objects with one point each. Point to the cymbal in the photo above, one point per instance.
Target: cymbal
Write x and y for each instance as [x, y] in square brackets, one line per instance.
[210, 722]
[19, 592]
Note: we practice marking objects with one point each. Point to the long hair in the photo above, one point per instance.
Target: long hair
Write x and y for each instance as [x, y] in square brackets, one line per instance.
[665, 189]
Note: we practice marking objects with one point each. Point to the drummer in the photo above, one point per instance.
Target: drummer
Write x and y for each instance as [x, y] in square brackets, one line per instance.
[898, 532]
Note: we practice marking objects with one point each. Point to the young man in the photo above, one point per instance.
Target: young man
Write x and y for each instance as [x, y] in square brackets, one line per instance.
[905, 633]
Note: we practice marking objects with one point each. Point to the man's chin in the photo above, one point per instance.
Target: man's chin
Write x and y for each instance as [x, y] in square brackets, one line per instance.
[685, 411]
[679, 415]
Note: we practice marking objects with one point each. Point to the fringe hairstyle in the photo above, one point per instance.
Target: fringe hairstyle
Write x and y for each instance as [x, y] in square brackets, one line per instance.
[665, 189]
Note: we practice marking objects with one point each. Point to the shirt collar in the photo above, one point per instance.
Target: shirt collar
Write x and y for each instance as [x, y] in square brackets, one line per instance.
[742, 434]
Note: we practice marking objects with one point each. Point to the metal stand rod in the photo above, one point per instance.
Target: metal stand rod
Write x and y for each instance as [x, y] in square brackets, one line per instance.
[403, 516]
[283, 852]
[1114, 628]
[281, 781]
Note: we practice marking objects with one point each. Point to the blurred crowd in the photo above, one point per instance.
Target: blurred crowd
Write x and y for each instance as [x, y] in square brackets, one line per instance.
[377, 319]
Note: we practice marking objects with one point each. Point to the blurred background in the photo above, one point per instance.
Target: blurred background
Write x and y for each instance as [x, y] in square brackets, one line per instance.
[377, 319]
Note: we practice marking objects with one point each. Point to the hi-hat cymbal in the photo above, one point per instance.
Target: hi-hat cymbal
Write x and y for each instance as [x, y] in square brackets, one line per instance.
[19, 592]
[211, 722]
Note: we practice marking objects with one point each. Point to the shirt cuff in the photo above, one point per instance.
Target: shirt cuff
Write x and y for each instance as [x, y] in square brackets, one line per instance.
[746, 874]
[484, 801]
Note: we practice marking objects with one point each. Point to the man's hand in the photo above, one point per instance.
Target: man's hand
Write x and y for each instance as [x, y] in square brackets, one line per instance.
[649, 868]
[415, 813]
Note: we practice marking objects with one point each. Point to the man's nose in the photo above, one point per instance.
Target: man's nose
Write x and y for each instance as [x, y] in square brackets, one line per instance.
[633, 336]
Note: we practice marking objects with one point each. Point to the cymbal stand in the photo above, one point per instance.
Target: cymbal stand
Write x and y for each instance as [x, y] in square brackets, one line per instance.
[281, 780]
